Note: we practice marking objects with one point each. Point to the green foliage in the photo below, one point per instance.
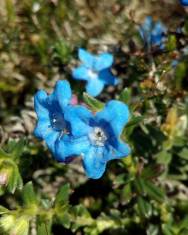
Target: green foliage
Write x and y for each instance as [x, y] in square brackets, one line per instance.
[94, 104]
[61, 52]
[9, 167]
[125, 95]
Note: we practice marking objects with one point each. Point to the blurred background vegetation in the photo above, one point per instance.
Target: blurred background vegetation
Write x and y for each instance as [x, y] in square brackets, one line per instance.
[146, 193]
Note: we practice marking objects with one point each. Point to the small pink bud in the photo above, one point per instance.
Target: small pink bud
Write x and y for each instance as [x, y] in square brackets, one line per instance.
[74, 100]
[3, 178]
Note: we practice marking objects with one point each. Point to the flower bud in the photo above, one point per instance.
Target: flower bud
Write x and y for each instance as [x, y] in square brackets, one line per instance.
[3, 178]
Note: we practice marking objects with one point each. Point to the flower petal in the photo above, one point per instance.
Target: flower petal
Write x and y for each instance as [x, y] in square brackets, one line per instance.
[50, 139]
[62, 94]
[148, 24]
[68, 146]
[80, 73]
[156, 40]
[159, 28]
[94, 163]
[40, 105]
[118, 149]
[157, 35]
[103, 61]
[45, 132]
[41, 109]
[86, 57]
[42, 128]
[146, 28]
[78, 117]
[94, 86]
[107, 77]
[184, 2]
[116, 113]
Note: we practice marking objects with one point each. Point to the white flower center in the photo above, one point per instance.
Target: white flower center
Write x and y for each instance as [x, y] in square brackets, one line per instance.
[98, 136]
[92, 74]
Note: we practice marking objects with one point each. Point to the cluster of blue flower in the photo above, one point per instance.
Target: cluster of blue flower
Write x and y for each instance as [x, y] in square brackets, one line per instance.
[72, 130]
[153, 33]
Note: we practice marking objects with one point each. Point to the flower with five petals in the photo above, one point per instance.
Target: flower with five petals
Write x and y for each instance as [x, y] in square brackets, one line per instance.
[153, 33]
[99, 137]
[95, 70]
[53, 125]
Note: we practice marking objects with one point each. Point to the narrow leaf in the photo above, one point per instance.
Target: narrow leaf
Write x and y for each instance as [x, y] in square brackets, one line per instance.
[3, 210]
[125, 95]
[29, 196]
[134, 121]
[93, 103]
[144, 207]
[62, 196]
[153, 191]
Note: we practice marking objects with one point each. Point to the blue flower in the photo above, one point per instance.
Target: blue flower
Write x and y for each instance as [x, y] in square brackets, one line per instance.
[174, 63]
[95, 70]
[153, 33]
[53, 125]
[99, 140]
[184, 3]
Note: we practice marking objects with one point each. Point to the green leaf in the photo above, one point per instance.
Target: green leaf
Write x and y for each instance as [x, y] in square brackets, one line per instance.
[43, 226]
[93, 103]
[29, 196]
[171, 44]
[183, 224]
[119, 180]
[13, 179]
[61, 51]
[135, 121]
[3, 154]
[144, 207]
[62, 196]
[126, 193]
[184, 231]
[152, 230]
[16, 147]
[80, 210]
[65, 219]
[139, 184]
[10, 10]
[180, 73]
[125, 95]
[41, 229]
[19, 181]
[184, 153]
[152, 171]
[81, 217]
[163, 157]
[46, 203]
[3, 210]
[167, 229]
[153, 191]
